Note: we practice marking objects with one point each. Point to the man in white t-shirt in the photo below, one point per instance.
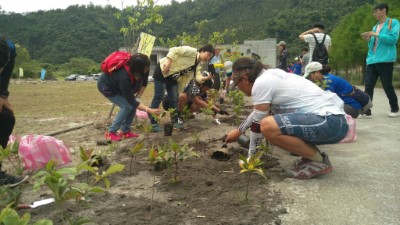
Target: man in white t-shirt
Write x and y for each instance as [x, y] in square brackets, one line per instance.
[318, 31]
[290, 112]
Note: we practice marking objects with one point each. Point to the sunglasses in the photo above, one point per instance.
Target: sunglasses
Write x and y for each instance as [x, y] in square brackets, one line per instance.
[239, 76]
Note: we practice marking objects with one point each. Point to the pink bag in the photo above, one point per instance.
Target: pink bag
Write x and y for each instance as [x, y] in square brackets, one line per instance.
[141, 114]
[37, 150]
[351, 133]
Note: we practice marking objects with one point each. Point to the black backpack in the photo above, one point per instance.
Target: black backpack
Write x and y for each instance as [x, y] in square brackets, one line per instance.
[320, 53]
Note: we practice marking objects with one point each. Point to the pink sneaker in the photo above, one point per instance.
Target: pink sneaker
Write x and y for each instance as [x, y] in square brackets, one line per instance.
[128, 134]
[112, 136]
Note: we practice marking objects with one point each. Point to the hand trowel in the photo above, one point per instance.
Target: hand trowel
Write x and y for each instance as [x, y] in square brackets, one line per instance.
[36, 204]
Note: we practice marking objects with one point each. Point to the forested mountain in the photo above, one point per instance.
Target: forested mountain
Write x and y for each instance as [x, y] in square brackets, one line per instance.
[92, 32]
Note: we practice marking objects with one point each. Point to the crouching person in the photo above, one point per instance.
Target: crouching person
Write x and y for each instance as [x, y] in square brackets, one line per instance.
[303, 116]
[195, 98]
[120, 88]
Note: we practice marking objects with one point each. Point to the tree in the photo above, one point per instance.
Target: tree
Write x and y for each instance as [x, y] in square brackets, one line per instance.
[136, 19]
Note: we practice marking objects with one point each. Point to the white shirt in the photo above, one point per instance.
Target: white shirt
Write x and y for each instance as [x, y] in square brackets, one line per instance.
[309, 38]
[294, 94]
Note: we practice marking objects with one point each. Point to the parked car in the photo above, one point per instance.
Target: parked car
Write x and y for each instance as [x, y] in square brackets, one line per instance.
[96, 76]
[71, 77]
[81, 78]
[90, 77]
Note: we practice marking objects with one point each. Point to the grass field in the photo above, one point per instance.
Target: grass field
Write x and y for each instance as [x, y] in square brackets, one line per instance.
[61, 98]
[65, 102]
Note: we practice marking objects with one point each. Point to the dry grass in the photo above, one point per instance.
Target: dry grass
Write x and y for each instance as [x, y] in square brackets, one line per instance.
[36, 103]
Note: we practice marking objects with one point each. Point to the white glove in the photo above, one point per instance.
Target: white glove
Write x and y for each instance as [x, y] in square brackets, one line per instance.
[223, 94]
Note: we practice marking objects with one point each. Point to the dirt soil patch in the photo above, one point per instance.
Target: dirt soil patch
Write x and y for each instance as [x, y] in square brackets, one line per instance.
[209, 191]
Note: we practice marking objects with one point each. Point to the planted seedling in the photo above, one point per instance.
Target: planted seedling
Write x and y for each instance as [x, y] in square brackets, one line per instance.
[133, 151]
[11, 151]
[250, 166]
[173, 154]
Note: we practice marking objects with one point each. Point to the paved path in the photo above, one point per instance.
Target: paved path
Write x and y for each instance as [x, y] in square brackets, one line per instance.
[364, 187]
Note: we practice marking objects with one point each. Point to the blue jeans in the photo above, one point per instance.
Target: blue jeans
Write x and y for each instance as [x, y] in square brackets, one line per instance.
[159, 91]
[385, 72]
[313, 129]
[124, 117]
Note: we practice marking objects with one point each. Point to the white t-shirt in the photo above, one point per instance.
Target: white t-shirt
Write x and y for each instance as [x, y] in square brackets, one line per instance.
[294, 94]
[309, 38]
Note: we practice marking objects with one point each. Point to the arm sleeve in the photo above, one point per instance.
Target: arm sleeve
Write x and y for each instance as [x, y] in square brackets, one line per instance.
[392, 36]
[126, 88]
[255, 133]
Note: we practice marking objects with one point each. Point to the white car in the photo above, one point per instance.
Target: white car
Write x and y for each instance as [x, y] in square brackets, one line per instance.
[81, 78]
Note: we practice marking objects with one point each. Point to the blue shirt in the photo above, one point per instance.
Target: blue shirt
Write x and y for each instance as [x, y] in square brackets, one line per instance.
[297, 68]
[342, 88]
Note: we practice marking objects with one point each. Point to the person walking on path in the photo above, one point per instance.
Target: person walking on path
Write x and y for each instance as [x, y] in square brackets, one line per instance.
[303, 116]
[7, 118]
[176, 69]
[319, 74]
[382, 54]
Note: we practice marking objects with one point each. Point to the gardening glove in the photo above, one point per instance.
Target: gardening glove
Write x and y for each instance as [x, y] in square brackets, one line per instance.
[223, 112]
[223, 94]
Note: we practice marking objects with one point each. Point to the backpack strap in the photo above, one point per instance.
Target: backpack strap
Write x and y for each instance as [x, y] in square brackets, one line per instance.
[316, 41]
[390, 24]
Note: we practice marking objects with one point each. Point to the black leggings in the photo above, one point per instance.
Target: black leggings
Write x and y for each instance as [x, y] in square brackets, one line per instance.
[7, 122]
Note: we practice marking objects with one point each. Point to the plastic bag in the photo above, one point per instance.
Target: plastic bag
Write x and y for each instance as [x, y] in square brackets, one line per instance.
[141, 114]
[351, 133]
[37, 150]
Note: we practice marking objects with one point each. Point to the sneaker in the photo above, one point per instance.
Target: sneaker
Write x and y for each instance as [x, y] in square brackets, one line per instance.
[366, 115]
[180, 120]
[128, 134]
[308, 169]
[112, 136]
[394, 113]
[156, 128]
[177, 126]
[11, 181]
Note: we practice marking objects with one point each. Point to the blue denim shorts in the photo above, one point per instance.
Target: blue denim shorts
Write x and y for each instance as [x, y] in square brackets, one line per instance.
[313, 129]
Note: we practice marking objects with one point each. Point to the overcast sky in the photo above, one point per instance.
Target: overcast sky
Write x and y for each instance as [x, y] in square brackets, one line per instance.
[20, 6]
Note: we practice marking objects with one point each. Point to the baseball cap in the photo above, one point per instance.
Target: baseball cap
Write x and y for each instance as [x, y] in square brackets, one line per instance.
[228, 66]
[281, 43]
[312, 67]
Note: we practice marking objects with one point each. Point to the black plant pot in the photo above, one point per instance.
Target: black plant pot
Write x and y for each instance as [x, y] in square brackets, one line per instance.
[168, 129]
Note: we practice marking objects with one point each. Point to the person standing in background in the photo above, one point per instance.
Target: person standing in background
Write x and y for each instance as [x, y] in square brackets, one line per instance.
[282, 56]
[382, 54]
[305, 59]
[308, 36]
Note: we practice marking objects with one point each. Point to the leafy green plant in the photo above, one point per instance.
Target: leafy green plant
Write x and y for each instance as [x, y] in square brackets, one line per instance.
[238, 104]
[209, 117]
[250, 166]
[172, 154]
[11, 151]
[9, 196]
[9, 216]
[133, 151]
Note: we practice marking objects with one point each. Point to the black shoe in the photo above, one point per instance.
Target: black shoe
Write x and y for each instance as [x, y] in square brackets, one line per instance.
[366, 115]
[11, 181]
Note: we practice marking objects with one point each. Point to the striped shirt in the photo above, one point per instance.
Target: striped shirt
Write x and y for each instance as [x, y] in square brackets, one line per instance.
[311, 42]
